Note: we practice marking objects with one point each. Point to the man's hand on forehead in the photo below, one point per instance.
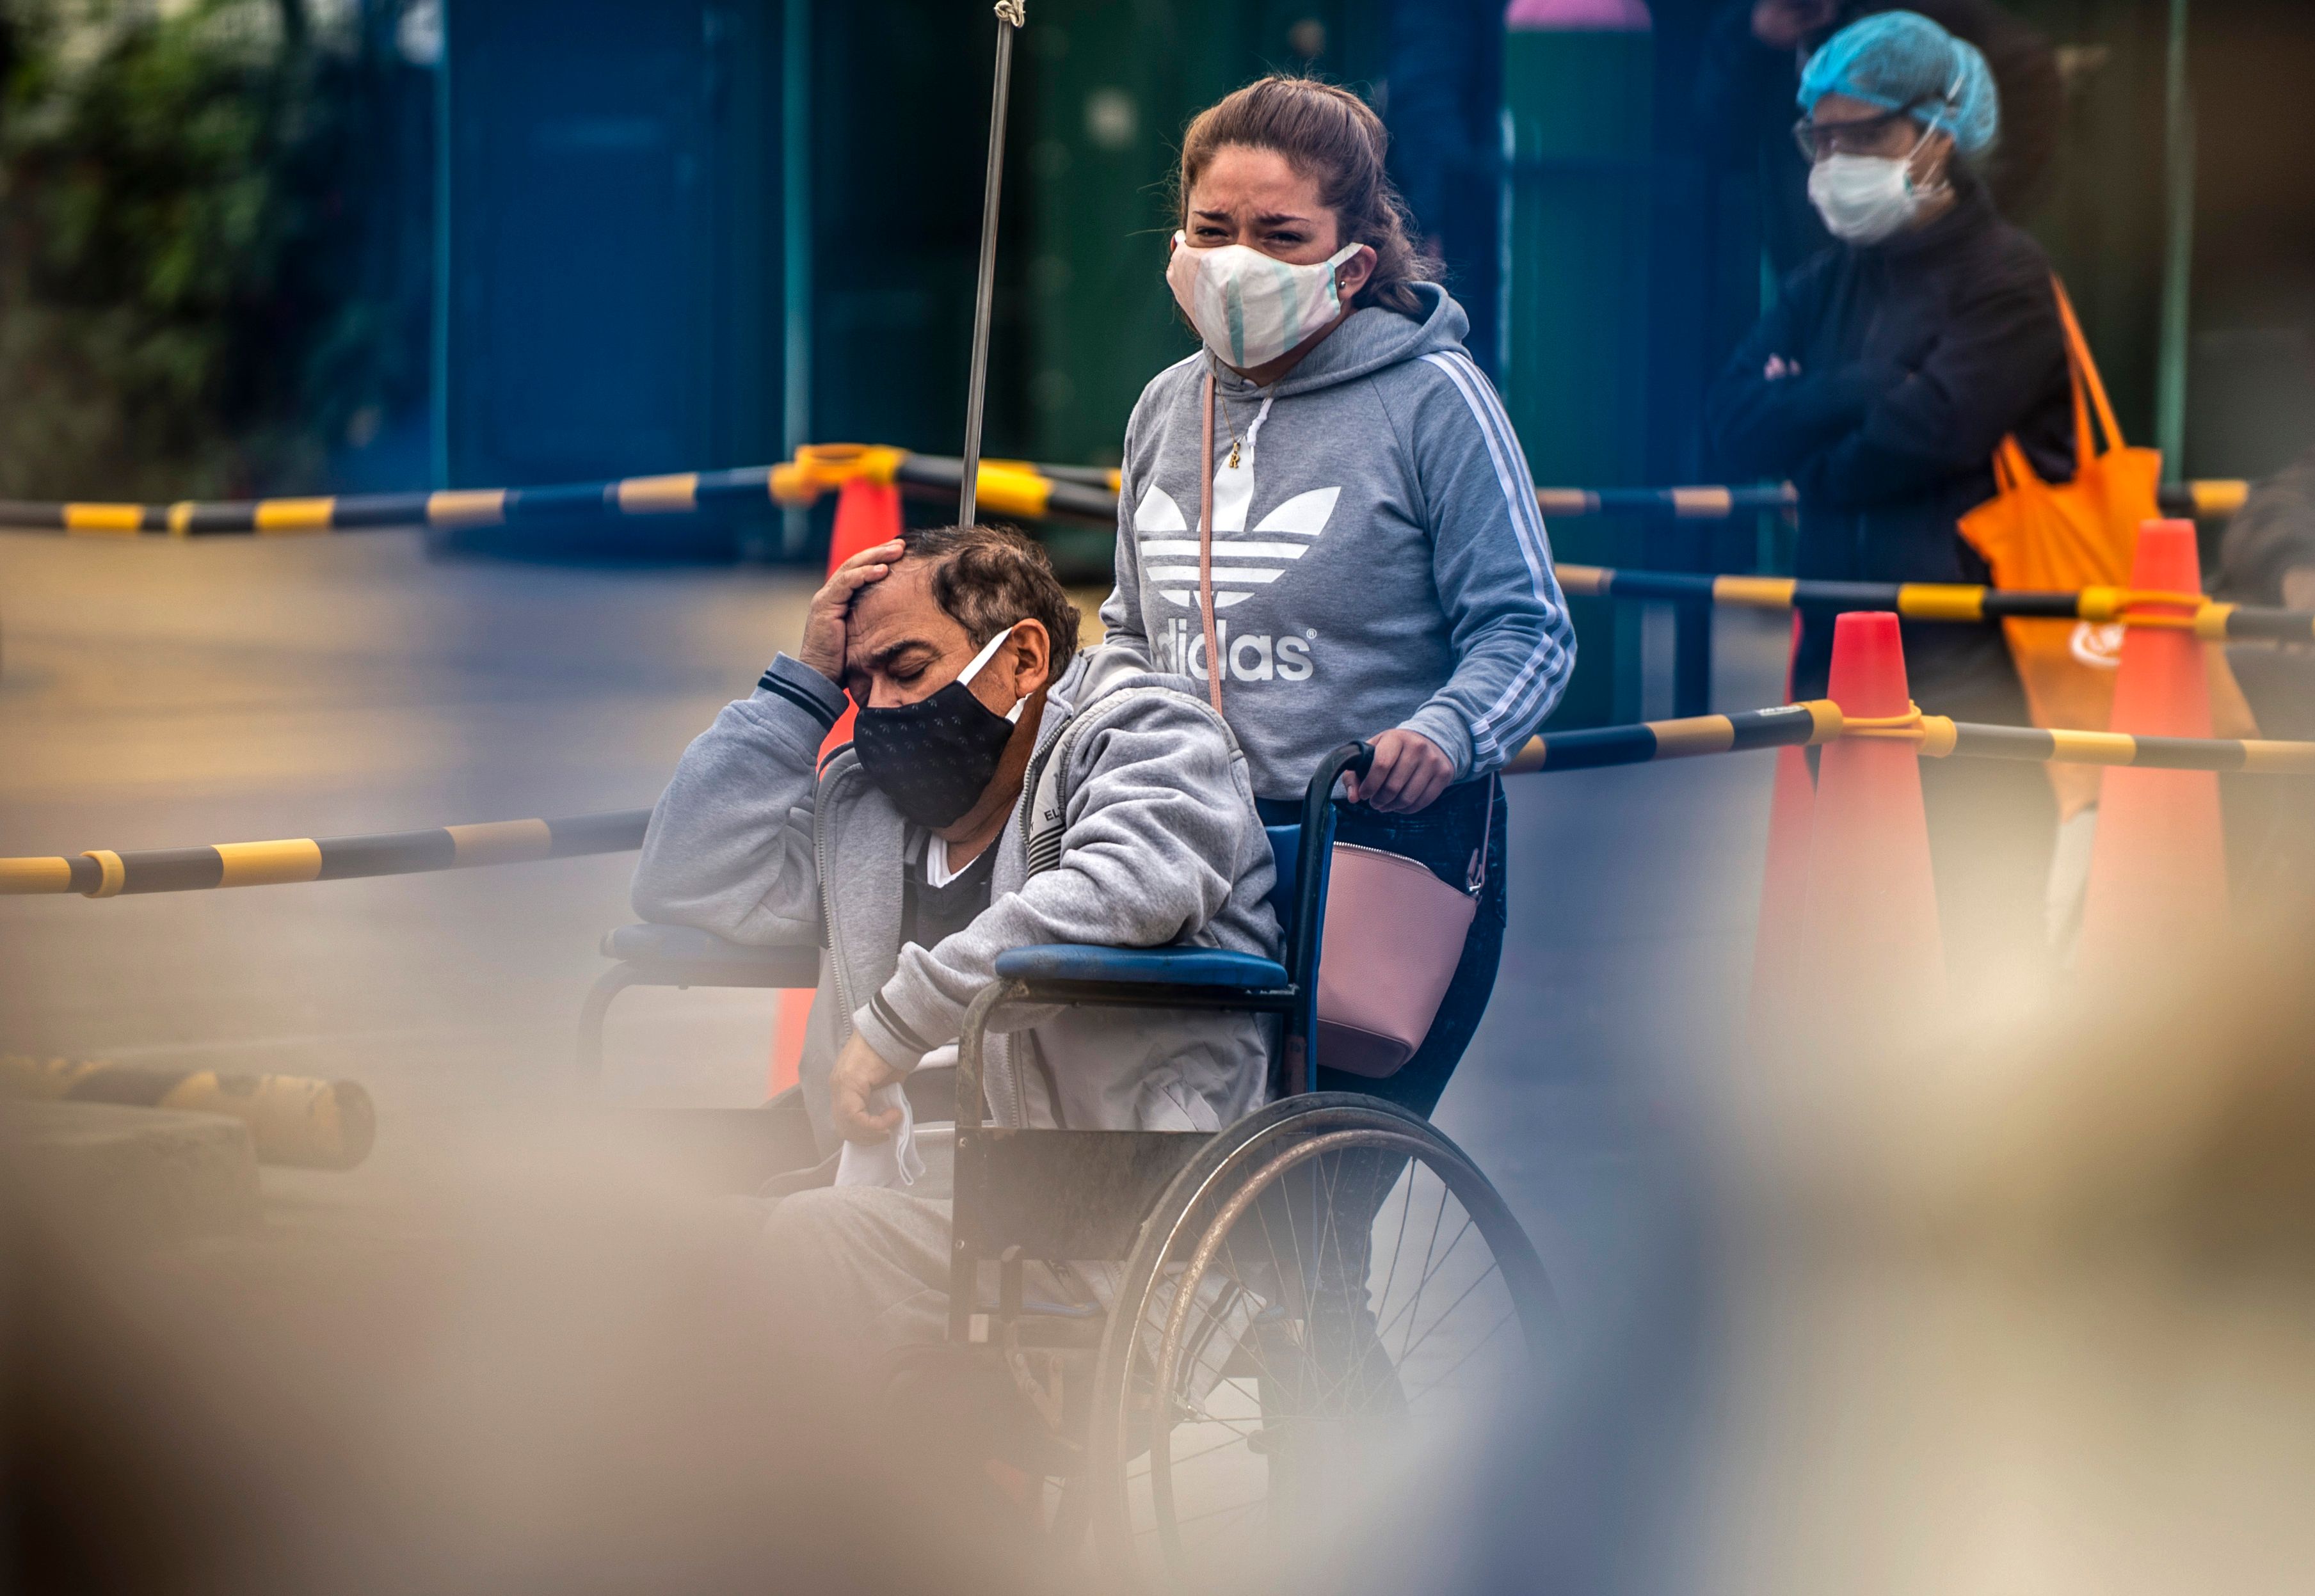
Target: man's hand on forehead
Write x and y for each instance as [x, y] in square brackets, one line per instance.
[829, 621]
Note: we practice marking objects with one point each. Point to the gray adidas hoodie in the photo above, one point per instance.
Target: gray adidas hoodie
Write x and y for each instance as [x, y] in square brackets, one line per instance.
[1160, 845]
[1379, 557]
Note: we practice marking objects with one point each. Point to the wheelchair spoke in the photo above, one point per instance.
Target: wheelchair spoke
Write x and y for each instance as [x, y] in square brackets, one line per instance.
[1405, 1352]
[1505, 1317]
[1415, 1303]
[1219, 1446]
[1293, 1233]
[1406, 1207]
[1436, 1219]
[1209, 1513]
[1235, 1507]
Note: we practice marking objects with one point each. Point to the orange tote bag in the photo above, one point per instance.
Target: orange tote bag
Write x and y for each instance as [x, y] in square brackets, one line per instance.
[2080, 534]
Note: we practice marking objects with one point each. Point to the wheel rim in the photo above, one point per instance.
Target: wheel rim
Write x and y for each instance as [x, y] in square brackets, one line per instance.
[1308, 1400]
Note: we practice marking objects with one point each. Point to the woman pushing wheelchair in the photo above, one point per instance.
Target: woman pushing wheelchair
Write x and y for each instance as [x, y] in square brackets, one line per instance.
[1328, 523]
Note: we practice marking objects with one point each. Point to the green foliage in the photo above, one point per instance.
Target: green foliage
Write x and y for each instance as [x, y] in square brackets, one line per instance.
[183, 308]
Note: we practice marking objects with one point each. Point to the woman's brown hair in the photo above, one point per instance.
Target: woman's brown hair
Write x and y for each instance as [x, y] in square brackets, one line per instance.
[1329, 134]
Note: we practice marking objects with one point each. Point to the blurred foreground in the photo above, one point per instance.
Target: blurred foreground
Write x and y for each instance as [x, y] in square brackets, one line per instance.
[2030, 1309]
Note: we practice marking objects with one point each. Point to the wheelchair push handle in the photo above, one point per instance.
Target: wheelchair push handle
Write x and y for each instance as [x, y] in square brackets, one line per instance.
[1352, 759]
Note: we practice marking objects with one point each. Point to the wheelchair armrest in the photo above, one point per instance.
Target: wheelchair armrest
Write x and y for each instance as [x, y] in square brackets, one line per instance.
[1157, 966]
[718, 962]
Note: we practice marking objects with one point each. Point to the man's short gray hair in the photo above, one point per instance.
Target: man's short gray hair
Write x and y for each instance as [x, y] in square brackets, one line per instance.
[986, 578]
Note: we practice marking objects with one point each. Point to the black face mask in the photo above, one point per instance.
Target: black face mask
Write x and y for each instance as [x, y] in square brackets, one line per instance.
[934, 757]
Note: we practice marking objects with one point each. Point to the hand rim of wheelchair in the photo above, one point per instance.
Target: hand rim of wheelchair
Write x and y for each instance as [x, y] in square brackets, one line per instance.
[1200, 1201]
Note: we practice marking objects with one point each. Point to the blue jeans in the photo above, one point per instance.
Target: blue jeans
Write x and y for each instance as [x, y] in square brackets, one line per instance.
[1442, 838]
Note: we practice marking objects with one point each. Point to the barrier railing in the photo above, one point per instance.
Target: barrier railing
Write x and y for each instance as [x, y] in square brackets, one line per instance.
[1016, 488]
[1819, 721]
[1939, 602]
[104, 872]
[2210, 498]
[1007, 487]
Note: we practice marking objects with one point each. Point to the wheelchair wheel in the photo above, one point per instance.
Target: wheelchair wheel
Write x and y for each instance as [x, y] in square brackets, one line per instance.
[1328, 1295]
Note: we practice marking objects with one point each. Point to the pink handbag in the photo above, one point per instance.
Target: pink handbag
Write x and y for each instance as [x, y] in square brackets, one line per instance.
[1394, 931]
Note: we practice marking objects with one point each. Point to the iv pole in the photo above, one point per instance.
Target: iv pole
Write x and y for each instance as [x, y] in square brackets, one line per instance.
[1011, 16]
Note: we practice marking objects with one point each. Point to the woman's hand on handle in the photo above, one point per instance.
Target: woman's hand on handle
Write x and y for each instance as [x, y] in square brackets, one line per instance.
[1408, 773]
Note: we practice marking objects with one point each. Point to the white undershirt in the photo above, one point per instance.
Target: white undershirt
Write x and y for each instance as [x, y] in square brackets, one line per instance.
[937, 871]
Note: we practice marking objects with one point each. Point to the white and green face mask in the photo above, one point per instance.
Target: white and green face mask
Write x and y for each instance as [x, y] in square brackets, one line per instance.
[1249, 307]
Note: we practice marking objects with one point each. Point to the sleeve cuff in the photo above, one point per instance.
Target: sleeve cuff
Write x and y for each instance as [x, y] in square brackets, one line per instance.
[795, 682]
[1441, 725]
[894, 1040]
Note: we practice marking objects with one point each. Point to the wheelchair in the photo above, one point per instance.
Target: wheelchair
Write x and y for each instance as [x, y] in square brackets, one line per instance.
[1285, 1320]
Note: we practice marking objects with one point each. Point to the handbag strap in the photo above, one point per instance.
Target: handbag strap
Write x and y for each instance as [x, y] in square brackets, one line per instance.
[1206, 550]
[2012, 468]
[1475, 881]
[2083, 372]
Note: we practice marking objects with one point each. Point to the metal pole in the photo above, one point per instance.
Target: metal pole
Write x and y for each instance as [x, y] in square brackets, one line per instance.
[1010, 16]
[795, 248]
[2179, 253]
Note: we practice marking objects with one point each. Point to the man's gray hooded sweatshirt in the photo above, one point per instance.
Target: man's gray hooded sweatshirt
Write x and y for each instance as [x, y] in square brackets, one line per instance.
[1159, 844]
[1379, 557]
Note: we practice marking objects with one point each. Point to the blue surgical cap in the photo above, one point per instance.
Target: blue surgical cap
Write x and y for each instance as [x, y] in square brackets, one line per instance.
[1900, 60]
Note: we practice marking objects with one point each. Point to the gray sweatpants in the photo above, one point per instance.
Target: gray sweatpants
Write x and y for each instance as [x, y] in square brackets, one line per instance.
[856, 1272]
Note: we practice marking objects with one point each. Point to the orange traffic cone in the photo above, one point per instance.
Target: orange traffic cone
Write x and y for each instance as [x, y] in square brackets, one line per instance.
[788, 1020]
[867, 513]
[1784, 885]
[1871, 959]
[2158, 882]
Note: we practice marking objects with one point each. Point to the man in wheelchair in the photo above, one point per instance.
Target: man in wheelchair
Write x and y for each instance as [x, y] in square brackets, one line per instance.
[1002, 789]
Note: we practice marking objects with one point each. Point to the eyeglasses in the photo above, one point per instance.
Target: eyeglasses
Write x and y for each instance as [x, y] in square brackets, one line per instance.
[1858, 135]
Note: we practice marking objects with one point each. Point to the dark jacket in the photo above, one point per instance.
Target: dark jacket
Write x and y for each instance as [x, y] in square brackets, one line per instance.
[1744, 110]
[2274, 531]
[1444, 109]
[1916, 356]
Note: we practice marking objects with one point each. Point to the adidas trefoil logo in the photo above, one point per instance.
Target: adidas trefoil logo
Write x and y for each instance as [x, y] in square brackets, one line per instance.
[1244, 562]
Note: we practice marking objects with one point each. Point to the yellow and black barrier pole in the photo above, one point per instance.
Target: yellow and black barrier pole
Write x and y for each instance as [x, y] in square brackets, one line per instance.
[1010, 488]
[1785, 726]
[1017, 490]
[1942, 601]
[2254, 755]
[104, 872]
[2210, 499]
[313, 1125]
[1819, 721]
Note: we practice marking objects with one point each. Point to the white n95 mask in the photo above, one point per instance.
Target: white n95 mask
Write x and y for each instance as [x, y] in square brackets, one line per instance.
[1249, 307]
[1864, 199]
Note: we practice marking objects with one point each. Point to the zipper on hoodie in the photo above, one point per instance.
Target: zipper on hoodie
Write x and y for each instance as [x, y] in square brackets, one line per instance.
[843, 1026]
[1025, 816]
